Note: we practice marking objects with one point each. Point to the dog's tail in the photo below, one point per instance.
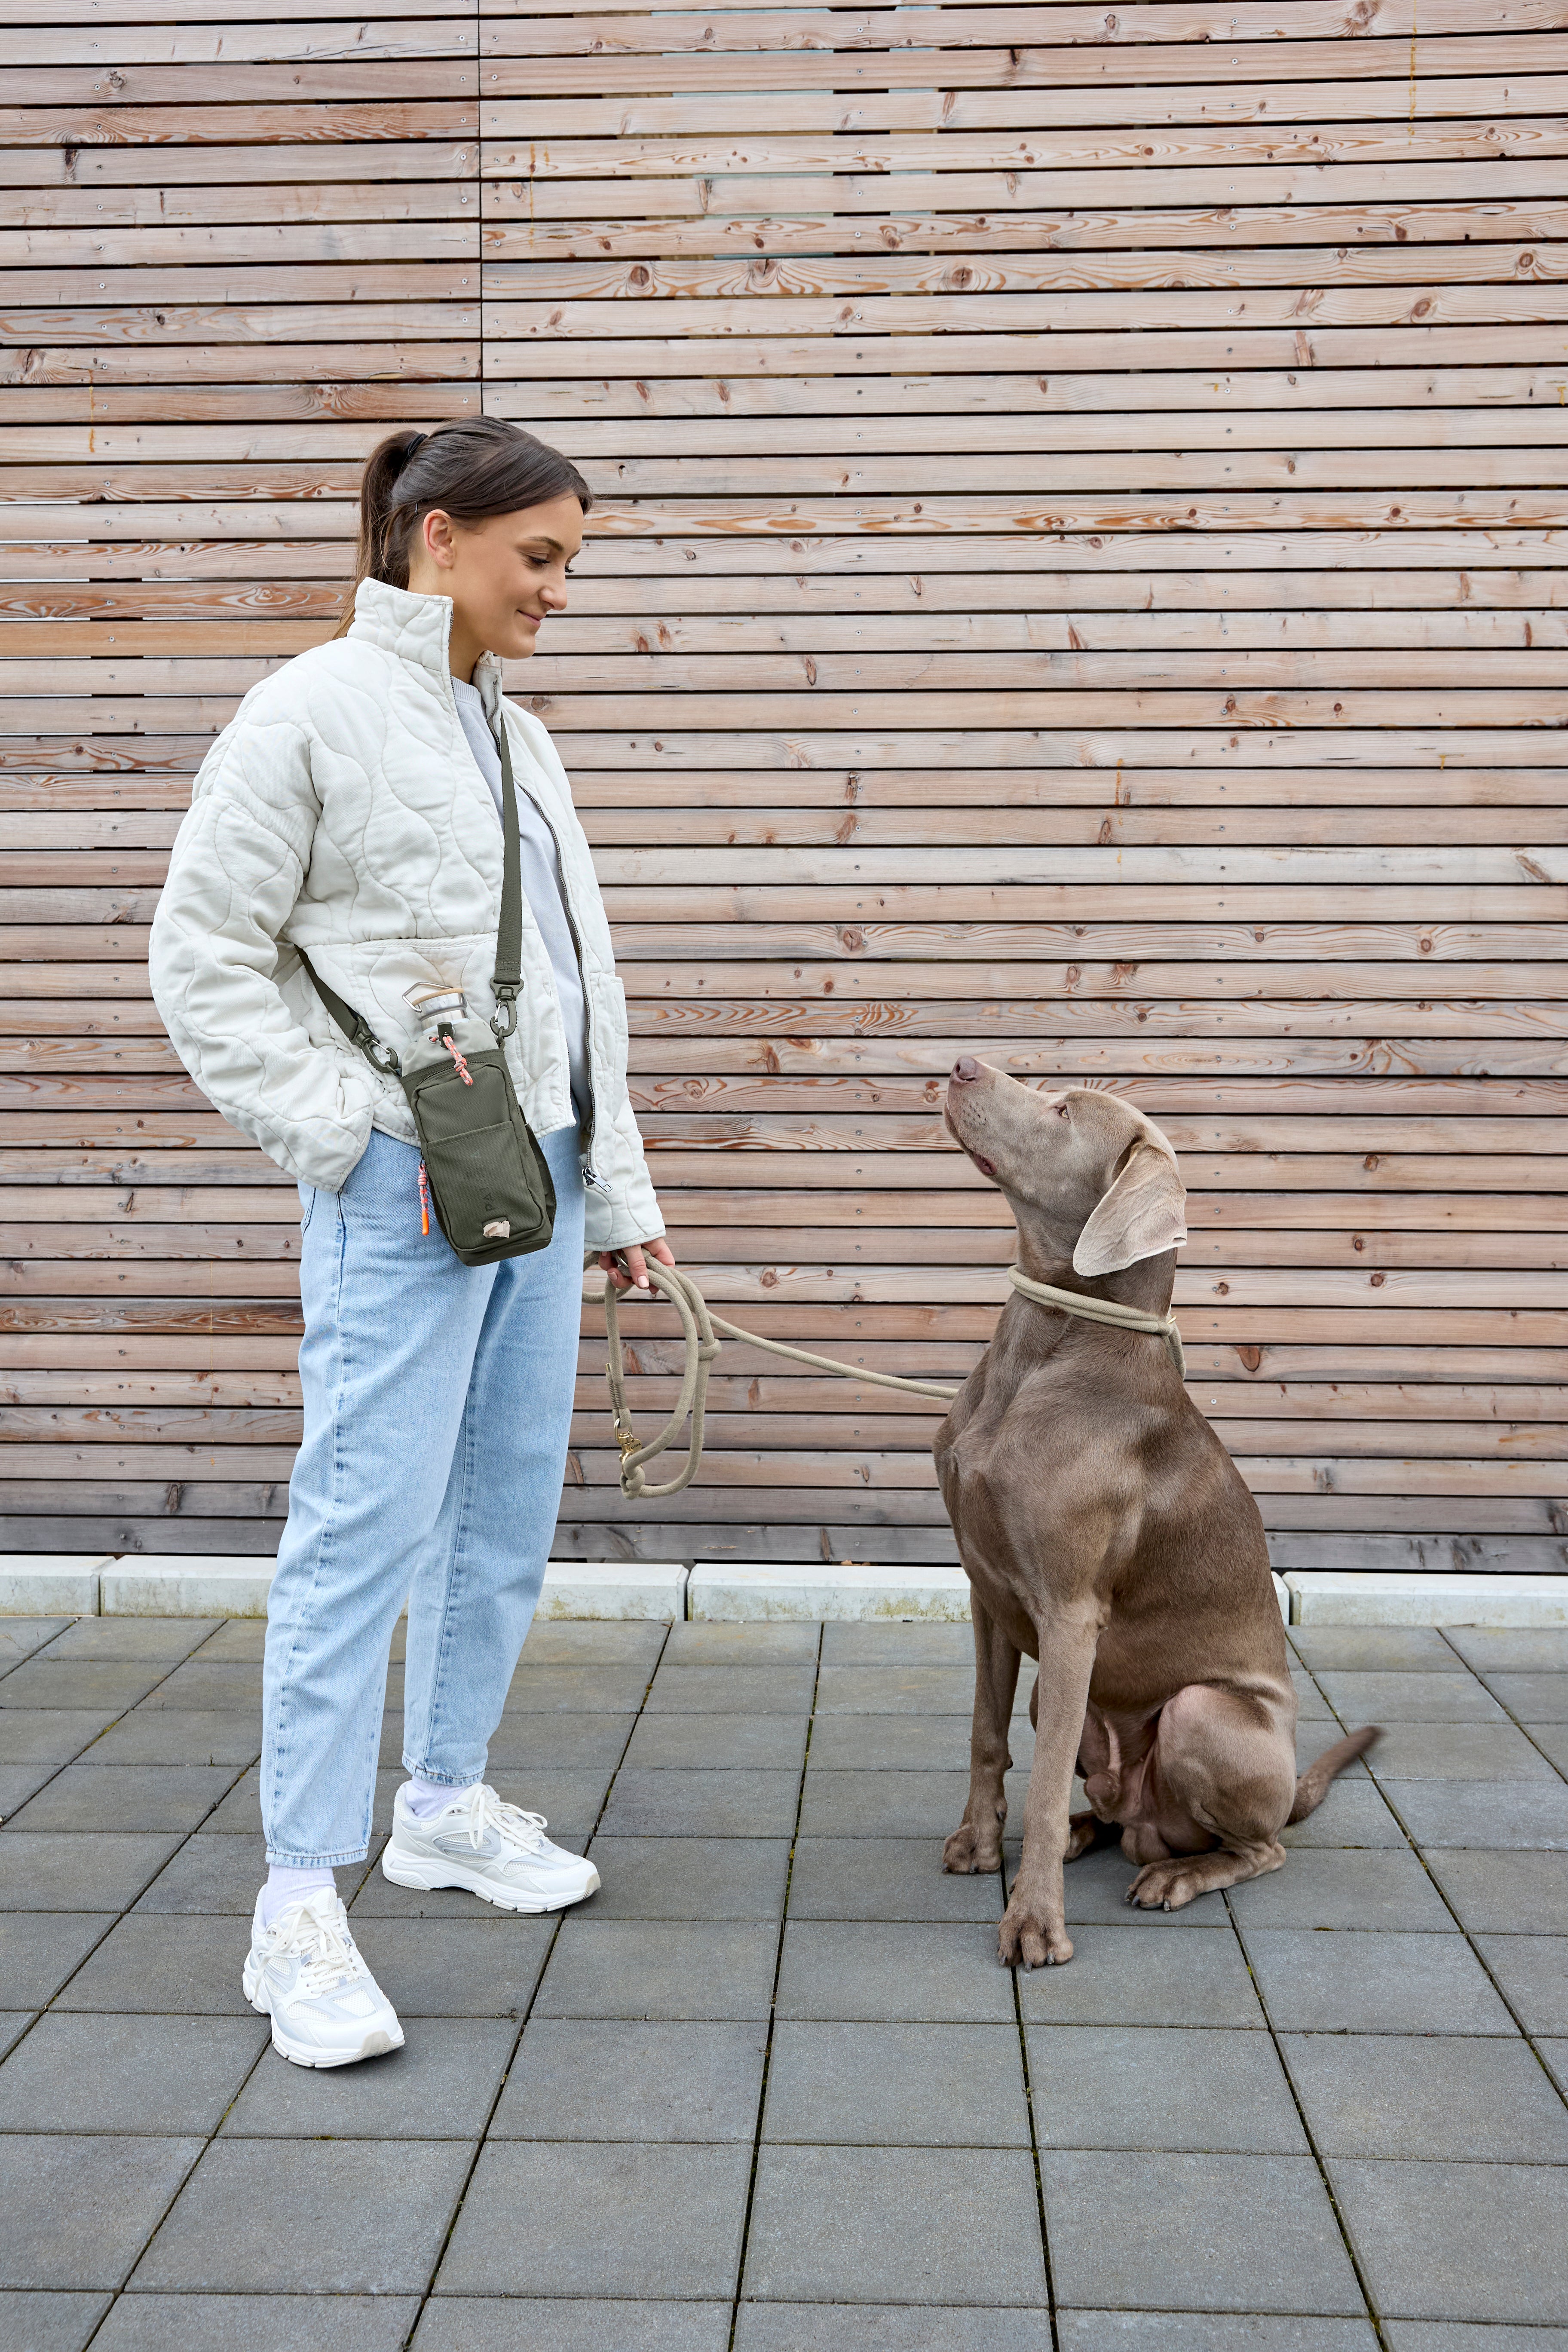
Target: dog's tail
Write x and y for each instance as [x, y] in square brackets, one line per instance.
[1313, 1785]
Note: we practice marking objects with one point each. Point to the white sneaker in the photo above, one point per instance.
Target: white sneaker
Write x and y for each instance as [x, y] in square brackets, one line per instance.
[493, 1850]
[305, 1972]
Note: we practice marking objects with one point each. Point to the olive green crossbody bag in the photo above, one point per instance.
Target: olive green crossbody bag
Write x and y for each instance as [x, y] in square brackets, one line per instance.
[482, 1171]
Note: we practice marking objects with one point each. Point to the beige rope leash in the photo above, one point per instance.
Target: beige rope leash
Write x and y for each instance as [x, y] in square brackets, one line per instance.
[698, 1327]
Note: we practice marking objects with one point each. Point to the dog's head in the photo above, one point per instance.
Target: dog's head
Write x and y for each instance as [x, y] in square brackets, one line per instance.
[1094, 1179]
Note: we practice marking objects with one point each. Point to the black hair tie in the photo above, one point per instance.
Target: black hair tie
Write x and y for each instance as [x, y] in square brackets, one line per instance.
[409, 447]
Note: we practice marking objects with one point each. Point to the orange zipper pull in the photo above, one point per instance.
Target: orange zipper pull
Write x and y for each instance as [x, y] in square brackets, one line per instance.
[424, 1200]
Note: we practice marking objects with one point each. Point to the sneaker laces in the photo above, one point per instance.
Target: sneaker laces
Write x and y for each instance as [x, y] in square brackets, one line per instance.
[480, 1808]
[320, 1940]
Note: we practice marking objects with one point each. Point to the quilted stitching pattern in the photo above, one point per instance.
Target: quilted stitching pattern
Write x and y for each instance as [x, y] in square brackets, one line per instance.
[341, 812]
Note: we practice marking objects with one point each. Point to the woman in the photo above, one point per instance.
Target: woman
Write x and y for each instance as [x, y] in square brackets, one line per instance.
[345, 829]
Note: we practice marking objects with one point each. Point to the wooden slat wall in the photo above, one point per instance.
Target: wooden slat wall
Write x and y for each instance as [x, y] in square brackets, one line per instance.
[1081, 576]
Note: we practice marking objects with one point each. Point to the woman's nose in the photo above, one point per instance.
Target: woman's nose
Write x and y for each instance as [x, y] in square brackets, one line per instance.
[965, 1069]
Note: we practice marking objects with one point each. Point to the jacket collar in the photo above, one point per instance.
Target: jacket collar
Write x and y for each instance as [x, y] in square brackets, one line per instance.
[417, 629]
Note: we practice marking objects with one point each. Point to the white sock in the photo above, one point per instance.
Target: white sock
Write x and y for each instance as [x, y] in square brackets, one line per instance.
[425, 1799]
[285, 1885]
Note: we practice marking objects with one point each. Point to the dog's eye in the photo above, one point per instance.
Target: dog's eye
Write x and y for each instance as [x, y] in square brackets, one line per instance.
[1061, 1111]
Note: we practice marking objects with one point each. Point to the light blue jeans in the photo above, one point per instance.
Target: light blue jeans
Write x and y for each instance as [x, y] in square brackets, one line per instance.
[437, 1407]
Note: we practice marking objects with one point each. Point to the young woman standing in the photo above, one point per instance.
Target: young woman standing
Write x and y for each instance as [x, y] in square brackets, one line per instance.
[346, 824]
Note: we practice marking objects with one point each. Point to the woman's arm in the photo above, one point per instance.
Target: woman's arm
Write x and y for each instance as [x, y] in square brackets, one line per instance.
[238, 863]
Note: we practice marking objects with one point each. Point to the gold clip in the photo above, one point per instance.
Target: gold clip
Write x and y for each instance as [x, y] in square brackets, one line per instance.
[626, 1440]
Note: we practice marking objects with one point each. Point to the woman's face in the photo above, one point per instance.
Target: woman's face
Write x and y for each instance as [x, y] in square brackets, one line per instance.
[505, 576]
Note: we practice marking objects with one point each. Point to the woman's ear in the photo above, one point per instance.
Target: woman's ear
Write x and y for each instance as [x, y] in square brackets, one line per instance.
[1143, 1215]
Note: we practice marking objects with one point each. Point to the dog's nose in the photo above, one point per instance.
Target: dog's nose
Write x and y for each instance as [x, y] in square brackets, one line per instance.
[965, 1069]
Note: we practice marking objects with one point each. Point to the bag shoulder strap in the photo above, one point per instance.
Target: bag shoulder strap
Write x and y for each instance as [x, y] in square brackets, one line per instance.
[508, 981]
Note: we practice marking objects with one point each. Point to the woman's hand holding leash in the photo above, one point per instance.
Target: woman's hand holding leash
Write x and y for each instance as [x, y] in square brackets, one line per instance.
[627, 1268]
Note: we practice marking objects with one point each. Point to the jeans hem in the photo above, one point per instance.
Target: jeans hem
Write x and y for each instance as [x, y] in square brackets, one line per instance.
[276, 1861]
[441, 1779]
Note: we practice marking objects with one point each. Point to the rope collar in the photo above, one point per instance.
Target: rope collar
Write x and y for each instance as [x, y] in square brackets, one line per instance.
[1104, 1310]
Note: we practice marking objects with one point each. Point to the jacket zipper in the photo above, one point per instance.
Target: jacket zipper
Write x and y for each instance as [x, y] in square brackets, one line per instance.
[590, 1174]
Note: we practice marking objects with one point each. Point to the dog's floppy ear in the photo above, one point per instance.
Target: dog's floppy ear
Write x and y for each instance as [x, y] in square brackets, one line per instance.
[1143, 1215]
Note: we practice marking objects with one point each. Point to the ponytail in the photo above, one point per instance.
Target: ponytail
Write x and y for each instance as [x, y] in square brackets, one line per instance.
[471, 469]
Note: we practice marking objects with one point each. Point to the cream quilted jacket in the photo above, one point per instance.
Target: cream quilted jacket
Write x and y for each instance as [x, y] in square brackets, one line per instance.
[341, 811]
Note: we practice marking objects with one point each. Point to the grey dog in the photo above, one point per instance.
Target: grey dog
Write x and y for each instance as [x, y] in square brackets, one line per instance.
[1106, 1531]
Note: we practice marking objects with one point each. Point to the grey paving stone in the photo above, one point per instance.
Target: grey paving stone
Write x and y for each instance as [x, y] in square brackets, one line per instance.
[48, 2322]
[902, 1743]
[897, 1690]
[75, 2212]
[1331, 1887]
[440, 2085]
[167, 1735]
[597, 2217]
[210, 1687]
[1512, 1893]
[1311, 1704]
[675, 1803]
[1458, 2241]
[1410, 1698]
[852, 1968]
[580, 2078]
[1312, 1740]
[649, 1967]
[1097, 1884]
[893, 1804]
[845, 1643]
[880, 2086]
[473, 2322]
[165, 2074]
[257, 2323]
[777, 1689]
[1512, 1649]
[160, 1641]
[77, 1874]
[608, 1689]
[895, 2225]
[1482, 1812]
[578, 1743]
[1374, 1649]
[128, 1797]
[485, 1966]
[20, 1636]
[309, 2217]
[13, 2022]
[1207, 2331]
[1141, 1974]
[1458, 1751]
[1533, 1972]
[154, 1964]
[569, 1640]
[689, 1878]
[1551, 1739]
[1468, 2336]
[212, 1875]
[108, 1688]
[1442, 2096]
[39, 1949]
[696, 1643]
[885, 1878]
[889, 2327]
[1215, 2233]
[1354, 1813]
[1378, 1982]
[1555, 2054]
[18, 1782]
[36, 1735]
[242, 1641]
[767, 1743]
[1533, 1698]
[1161, 2087]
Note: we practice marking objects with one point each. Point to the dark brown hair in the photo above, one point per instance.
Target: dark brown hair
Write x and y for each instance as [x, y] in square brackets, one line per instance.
[473, 468]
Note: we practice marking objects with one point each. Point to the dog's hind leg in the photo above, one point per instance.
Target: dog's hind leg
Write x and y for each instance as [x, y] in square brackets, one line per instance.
[1222, 1778]
[976, 1843]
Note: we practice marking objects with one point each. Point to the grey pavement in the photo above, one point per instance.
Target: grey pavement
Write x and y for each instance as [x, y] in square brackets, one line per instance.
[769, 2091]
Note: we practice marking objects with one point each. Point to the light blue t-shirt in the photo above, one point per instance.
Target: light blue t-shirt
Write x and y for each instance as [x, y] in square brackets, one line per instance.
[541, 886]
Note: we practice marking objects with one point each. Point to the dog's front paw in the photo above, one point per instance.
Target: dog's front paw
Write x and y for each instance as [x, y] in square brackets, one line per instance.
[1027, 1941]
[968, 1850]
